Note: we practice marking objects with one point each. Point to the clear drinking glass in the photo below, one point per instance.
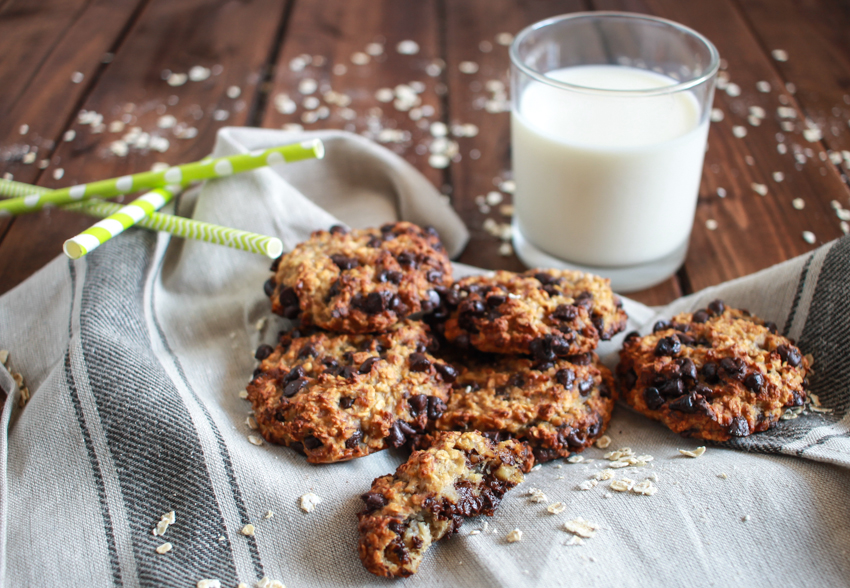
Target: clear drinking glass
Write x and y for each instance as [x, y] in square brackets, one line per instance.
[609, 122]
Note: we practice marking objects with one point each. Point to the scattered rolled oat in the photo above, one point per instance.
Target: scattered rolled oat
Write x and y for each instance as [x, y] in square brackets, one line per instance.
[581, 527]
[514, 536]
[77, 77]
[254, 440]
[605, 474]
[475, 532]
[603, 442]
[739, 131]
[778, 176]
[536, 495]
[209, 583]
[164, 548]
[556, 508]
[309, 502]
[575, 540]
[695, 453]
[4, 356]
[779, 54]
[763, 87]
[645, 488]
[733, 90]
[798, 203]
[575, 459]
[468, 67]
[588, 484]
[722, 476]
[745, 518]
[711, 224]
[622, 485]
[269, 514]
[506, 250]
[717, 115]
[759, 189]
[504, 39]
[243, 394]
[809, 237]
[164, 521]
[248, 530]
[408, 47]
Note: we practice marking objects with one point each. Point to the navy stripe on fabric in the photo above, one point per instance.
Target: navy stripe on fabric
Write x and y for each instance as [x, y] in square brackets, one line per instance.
[801, 283]
[149, 431]
[97, 475]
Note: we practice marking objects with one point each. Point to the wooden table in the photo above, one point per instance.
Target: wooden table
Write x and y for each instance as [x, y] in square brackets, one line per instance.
[78, 75]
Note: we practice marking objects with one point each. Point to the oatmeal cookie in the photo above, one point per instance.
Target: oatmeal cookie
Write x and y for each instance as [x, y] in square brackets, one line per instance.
[545, 313]
[713, 374]
[336, 397]
[360, 281]
[459, 475]
[557, 408]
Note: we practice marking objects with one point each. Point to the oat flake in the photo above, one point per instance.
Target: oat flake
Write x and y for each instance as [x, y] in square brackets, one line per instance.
[581, 527]
[248, 530]
[695, 453]
[556, 508]
[164, 548]
[209, 584]
[536, 495]
[575, 459]
[309, 502]
[603, 442]
[809, 237]
[254, 440]
[514, 536]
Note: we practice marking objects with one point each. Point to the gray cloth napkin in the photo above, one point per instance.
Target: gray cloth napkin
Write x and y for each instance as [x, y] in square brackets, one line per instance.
[135, 356]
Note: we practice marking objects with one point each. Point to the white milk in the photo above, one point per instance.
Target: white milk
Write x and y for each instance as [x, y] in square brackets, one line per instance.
[602, 180]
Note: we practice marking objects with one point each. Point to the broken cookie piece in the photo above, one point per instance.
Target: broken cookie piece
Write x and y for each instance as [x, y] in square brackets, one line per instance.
[459, 475]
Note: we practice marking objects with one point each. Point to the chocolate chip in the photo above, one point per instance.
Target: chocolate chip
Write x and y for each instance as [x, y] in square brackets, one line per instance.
[374, 242]
[396, 438]
[419, 363]
[309, 350]
[292, 388]
[353, 441]
[542, 366]
[668, 346]
[374, 500]
[268, 287]
[660, 326]
[297, 446]
[343, 262]
[544, 454]
[790, 355]
[634, 335]
[703, 390]
[585, 386]
[311, 442]
[716, 307]
[366, 367]
[581, 359]
[770, 326]
[672, 388]
[377, 302]
[462, 341]
[263, 351]
[653, 398]
[448, 373]
[495, 300]
[544, 278]
[387, 227]
[629, 379]
[687, 369]
[436, 407]
[584, 299]
[288, 297]
[685, 403]
[346, 402]
[549, 347]
[576, 439]
[516, 380]
[431, 302]
[406, 428]
[686, 339]
[739, 427]
[275, 264]
[565, 377]
[700, 316]
[339, 230]
[418, 403]
[294, 374]
[551, 290]
[754, 382]
[709, 372]
[348, 372]
[257, 372]
[733, 366]
[565, 312]
[406, 259]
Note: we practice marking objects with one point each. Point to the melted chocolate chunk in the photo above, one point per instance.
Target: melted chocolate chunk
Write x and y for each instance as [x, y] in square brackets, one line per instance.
[448, 373]
[419, 363]
[739, 427]
[629, 379]
[790, 355]
[390, 276]
[263, 351]
[544, 454]
[653, 398]
[632, 336]
[545, 279]
[716, 307]
[396, 437]
[374, 242]
[565, 377]
[353, 441]
[275, 264]
[436, 407]
[733, 366]
[418, 403]
[294, 374]
[434, 276]
[268, 287]
[710, 372]
[495, 300]
[339, 230]
[686, 403]
[346, 402]
[343, 262]
[309, 350]
[374, 500]
[672, 388]
[660, 326]
[688, 369]
[754, 382]
[668, 346]
[366, 367]
[701, 316]
[311, 442]
[293, 387]
[406, 259]
[565, 312]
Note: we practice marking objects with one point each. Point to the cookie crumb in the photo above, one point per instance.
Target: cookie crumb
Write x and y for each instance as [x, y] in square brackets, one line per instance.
[581, 527]
[537, 467]
[269, 514]
[745, 518]
[536, 495]
[514, 536]
[475, 531]
[722, 476]
[575, 540]
[248, 530]
[556, 508]
[309, 502]
[261, 324]
[164, 548]
[164, 521]
[588, 484]
[695, 453]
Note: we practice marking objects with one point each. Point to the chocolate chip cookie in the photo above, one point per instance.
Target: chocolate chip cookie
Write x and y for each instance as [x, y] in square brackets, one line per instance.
[713, 374]
[360, 281]
[544, 313]
[558, 407]
[460, 475]
[336, 397]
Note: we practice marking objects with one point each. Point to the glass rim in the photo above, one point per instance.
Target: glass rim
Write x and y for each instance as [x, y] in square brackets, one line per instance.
[713, 66]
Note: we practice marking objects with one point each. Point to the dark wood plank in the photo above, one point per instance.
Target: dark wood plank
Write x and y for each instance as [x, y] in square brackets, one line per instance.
[473, 29]
[333, 35]
[753, 231]
[233, 41]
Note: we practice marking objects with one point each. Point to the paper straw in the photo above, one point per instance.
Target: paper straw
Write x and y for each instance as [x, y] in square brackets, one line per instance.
[167, 223]
[117, 223]
[205, 169]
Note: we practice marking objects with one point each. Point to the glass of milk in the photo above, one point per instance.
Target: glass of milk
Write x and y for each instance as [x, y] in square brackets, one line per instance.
[609, 121]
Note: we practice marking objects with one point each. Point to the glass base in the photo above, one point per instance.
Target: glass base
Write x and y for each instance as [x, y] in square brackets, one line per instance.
[623, 279]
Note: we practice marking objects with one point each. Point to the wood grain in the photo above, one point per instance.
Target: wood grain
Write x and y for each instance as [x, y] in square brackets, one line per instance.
[232, 40]
[753, 231]
[323, 42]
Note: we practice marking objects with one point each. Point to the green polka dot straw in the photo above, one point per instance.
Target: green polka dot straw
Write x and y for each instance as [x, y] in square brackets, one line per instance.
[168, 223]
[206, 169]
